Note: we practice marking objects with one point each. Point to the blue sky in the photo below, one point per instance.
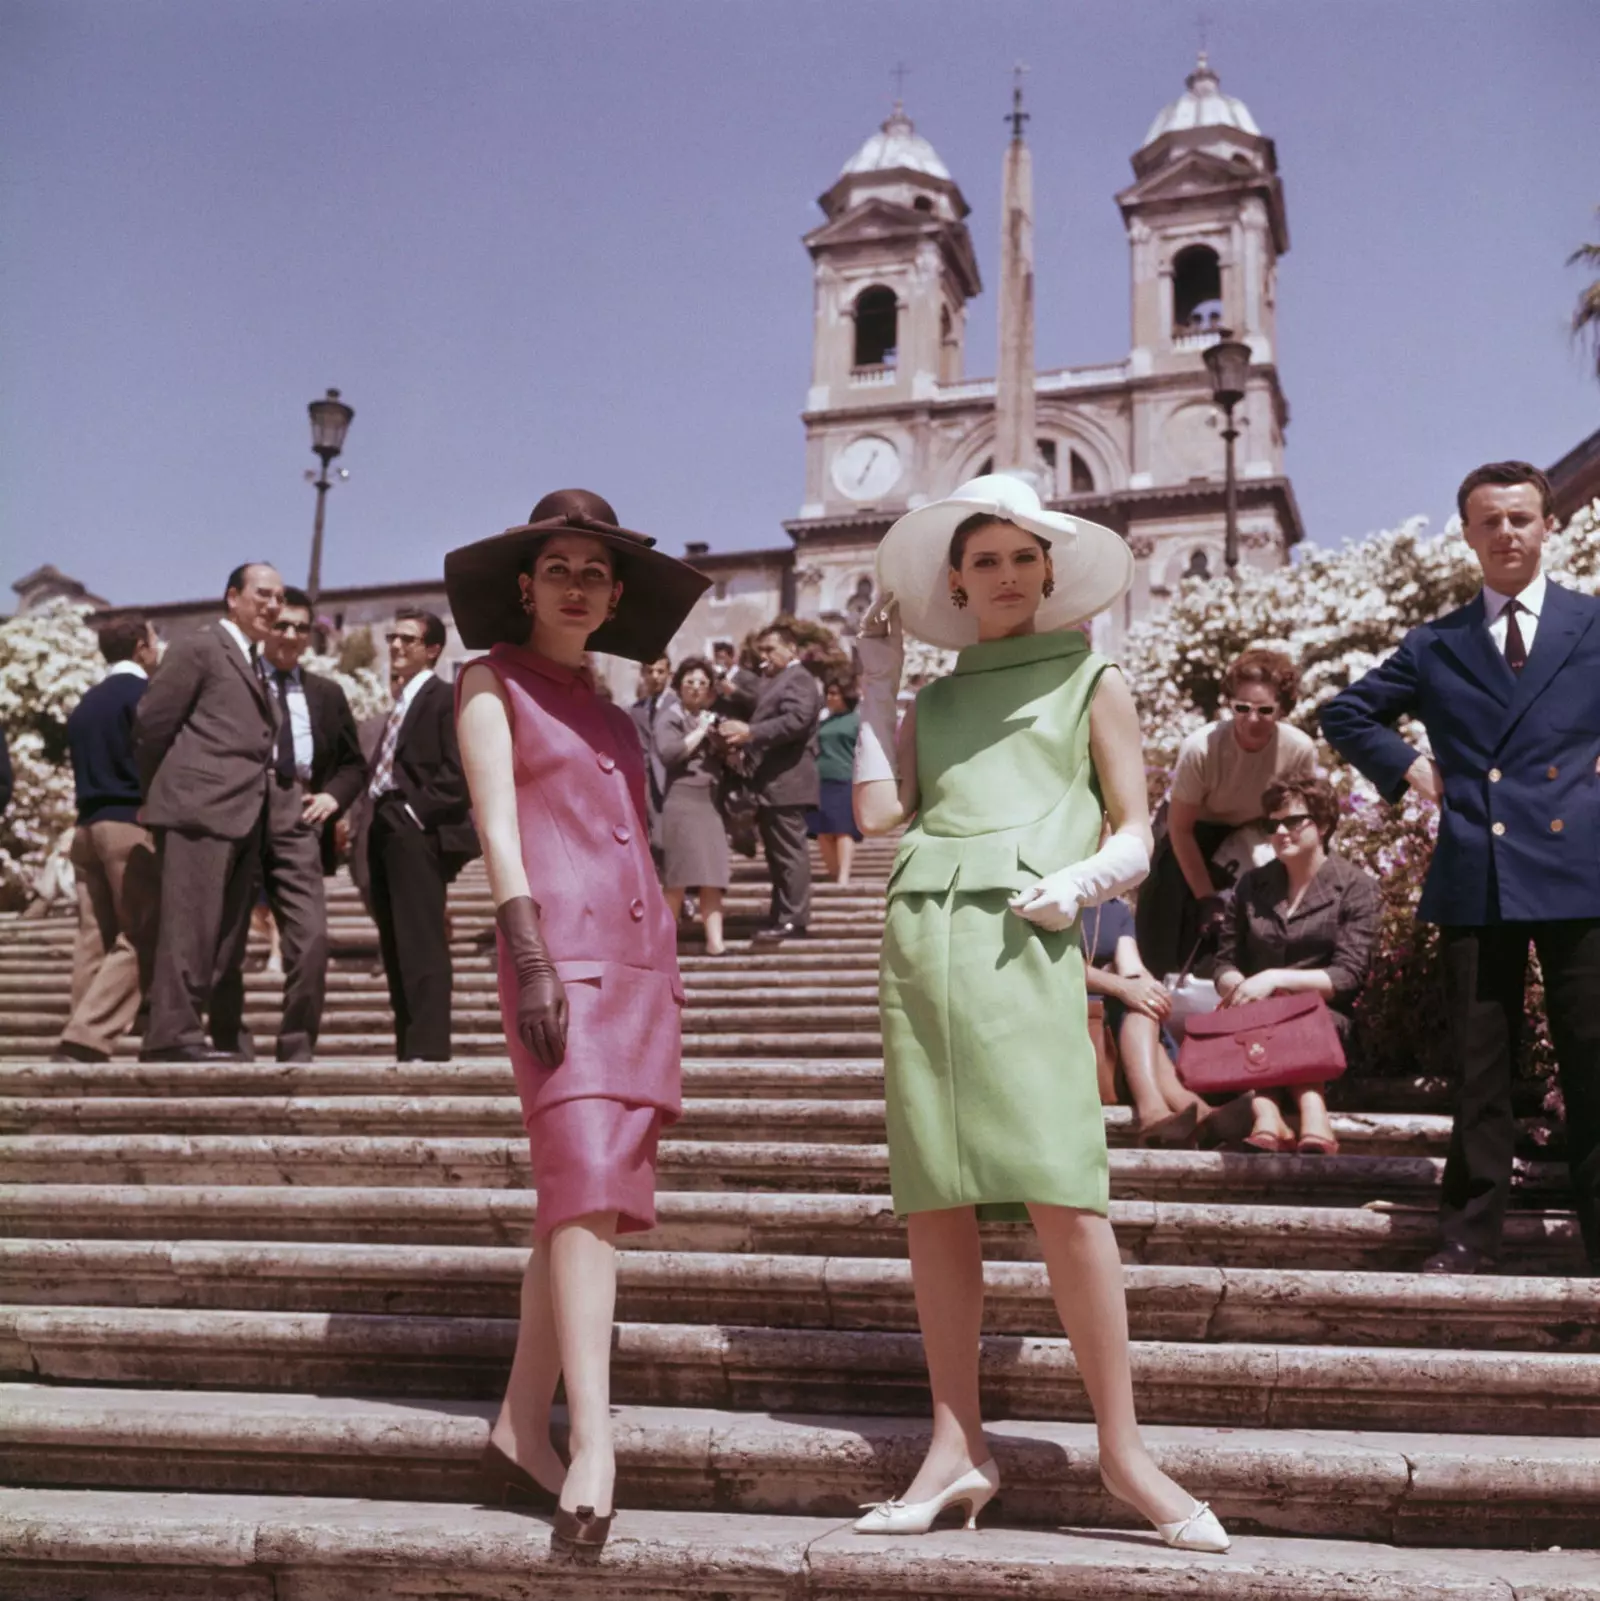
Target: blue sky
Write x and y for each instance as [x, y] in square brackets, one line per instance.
[541, 244]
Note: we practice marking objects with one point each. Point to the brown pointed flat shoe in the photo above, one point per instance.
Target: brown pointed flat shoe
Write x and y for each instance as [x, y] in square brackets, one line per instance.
[504, 1484]
[579, 1533]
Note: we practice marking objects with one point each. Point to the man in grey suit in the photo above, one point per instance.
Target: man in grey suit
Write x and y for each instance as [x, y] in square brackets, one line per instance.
[203, 743]
[648, 713]
[781, 741]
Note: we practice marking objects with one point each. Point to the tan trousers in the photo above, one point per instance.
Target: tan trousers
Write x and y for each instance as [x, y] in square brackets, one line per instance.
[119, 895]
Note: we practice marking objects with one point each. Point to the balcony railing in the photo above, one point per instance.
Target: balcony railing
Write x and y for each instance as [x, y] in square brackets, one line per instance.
[871, 377]
[1195, 338]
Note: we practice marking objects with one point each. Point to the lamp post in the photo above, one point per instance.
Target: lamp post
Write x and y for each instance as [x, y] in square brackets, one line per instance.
[1228, 362]
[330, 417]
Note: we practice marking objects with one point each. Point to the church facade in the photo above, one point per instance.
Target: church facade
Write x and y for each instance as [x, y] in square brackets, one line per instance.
[892, 419]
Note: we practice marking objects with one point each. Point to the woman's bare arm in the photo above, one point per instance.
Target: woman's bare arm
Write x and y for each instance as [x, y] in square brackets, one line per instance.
[882, 805]
[488, 757]
[1117, 749]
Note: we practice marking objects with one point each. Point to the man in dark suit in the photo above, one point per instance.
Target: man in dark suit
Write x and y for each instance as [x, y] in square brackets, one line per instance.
[113, 855]
[780, 740]
[647, 712]
[1508, 689]
[203, 742]
[317, 771]
[418, 838]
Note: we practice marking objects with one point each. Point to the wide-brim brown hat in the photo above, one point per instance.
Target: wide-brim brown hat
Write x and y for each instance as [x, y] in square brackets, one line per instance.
[658, 591]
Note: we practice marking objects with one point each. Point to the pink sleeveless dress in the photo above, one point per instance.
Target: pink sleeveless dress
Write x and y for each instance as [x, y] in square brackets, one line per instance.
[592, 1122]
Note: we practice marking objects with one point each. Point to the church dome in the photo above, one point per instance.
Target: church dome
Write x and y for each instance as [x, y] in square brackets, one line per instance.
[896, 144]
[1201, 105]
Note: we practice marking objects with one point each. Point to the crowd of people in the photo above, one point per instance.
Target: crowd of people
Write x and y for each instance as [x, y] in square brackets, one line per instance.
[1019, 783]
[227, 781]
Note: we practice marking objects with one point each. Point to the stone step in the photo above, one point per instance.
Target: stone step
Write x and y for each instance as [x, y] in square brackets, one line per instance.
[303, 1159]
[784, 1041]
[833, 1119]
[1179, 1233]
[1205, 1304]
[481, 1014]
[1402, 1488]
[775, 1078]
[111, 1545]
[746, 1367]
[330, 1075]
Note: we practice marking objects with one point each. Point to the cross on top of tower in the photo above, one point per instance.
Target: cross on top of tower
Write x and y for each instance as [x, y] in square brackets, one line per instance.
[900, 74]
[1017, 117]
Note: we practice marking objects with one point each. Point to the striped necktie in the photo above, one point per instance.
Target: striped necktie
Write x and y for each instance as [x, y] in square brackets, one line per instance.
[383, 770]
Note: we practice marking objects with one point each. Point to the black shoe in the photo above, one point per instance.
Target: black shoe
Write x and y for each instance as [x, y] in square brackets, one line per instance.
[66, 1051]
[777, 933]
[302, 1053]
[189, 1053]
[1458, 1257]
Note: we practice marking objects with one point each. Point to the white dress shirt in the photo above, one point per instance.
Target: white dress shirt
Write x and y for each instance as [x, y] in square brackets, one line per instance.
[397, 716]
[1532, 603]
[241, 639]
[126, 667]
[299, 720]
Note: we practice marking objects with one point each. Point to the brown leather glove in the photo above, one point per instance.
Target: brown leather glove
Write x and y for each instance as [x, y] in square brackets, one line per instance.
[541, 1000]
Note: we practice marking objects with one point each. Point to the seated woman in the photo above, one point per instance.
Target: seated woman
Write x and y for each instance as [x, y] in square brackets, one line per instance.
[831, 823]
[1216, 791]
[694, 842]
[1136, 1005]
[1307, 921]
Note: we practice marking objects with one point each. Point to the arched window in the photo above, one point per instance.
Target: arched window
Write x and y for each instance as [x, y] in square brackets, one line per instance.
[922, 203]
[877, 327]
[1082, 477]
[1196, 290]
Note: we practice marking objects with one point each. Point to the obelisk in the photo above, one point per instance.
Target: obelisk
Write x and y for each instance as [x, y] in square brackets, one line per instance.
[1014, 447]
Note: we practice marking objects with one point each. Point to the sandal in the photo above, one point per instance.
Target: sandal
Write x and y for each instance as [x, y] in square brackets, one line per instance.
[1317, 1145]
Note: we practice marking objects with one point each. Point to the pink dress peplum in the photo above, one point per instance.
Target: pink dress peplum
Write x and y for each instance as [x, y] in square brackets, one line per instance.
[592, 1122]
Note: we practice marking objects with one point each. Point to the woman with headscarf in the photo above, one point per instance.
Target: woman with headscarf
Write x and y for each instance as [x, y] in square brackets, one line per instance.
[588, 969]
[1003, 770]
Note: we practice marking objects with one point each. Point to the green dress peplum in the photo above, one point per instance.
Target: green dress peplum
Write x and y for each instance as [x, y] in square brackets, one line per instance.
[992, 1098]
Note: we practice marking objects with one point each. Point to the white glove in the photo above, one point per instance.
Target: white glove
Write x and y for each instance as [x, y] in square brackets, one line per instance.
[882, 654]
[1055, 901]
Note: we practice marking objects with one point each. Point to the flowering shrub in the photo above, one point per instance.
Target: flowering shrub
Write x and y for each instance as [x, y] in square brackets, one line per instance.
[48, 659]
[1337, 613]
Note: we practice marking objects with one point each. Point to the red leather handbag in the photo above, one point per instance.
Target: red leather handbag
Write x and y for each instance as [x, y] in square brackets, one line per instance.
[1262, 1045]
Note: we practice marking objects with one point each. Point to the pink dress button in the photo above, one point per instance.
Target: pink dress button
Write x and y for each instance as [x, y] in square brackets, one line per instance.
[636, 911]
[622, 833]
[608, 762]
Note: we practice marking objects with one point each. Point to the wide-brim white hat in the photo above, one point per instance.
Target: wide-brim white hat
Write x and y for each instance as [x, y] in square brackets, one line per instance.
[1093, 565]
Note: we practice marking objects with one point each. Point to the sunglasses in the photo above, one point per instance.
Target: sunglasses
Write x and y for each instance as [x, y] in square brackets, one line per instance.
[291, 628]
[1243, 708]
[402, 639]
[1294, 822]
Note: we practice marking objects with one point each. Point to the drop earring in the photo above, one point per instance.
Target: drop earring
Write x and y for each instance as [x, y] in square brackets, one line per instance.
[526, 599]
[1049, 588]
[958, 597]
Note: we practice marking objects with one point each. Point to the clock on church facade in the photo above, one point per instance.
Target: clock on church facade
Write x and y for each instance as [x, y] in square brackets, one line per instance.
[892, 419]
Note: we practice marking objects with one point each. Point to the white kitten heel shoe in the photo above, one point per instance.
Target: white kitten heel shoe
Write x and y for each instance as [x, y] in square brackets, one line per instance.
[975, 1489]
[1200, 1531]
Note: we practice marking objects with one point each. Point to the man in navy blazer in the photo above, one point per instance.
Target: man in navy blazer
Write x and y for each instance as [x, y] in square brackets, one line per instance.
[1508, 689]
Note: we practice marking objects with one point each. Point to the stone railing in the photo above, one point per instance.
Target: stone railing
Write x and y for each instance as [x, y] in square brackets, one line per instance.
[870, 377]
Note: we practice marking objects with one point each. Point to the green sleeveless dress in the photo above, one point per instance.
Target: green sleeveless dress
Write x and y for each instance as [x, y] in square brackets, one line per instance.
[991, 1092]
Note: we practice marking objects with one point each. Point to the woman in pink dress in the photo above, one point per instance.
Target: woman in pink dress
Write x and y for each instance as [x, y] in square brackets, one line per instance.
[588, 967]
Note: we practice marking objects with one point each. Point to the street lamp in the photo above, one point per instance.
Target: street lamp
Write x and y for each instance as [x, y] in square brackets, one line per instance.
[330, 417]
[1228, 362]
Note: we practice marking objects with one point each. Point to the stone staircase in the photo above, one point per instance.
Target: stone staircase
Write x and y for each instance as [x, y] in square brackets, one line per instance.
[254, 1321]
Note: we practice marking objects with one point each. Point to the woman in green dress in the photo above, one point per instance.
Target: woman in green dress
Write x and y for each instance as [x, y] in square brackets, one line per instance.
[1005, 770]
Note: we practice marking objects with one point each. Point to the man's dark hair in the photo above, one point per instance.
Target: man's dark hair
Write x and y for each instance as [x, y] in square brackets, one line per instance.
[1503, 474]
[781, 631]
[1315, 794]
[296, 597]
[845, 683]
[121, 636]
[236, 579]
[432, 627]
[720, 645]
